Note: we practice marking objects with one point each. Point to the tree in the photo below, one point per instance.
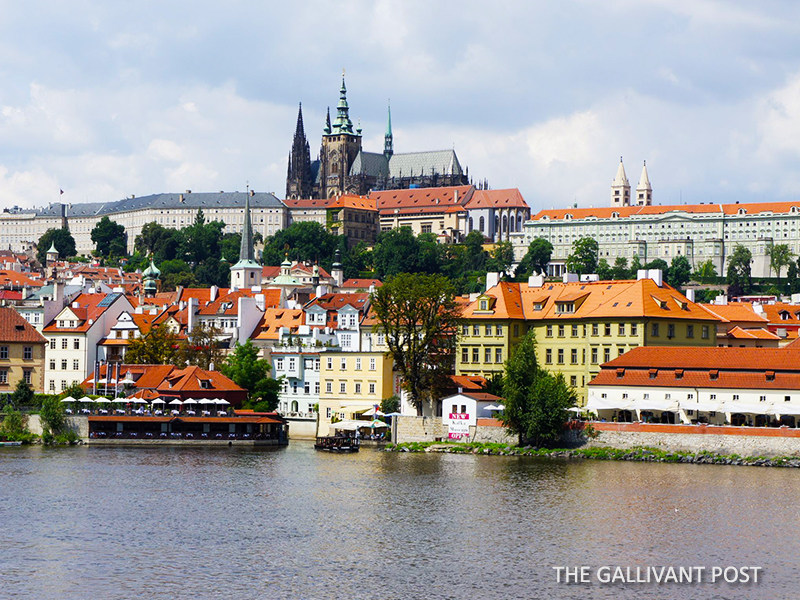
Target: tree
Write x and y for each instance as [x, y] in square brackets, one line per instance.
[658, 264]
[395, 252]
[706, 272]
[109, 238]
[680, 272]
[63, 240]
[583, 258]
[738, 276]
[201, 240]
[231, 244]
[201, 347]
[52, 415]
[248, 371]
[74, 389]
[159, 347]
[304, 241]
[535, 260]
[474, 255]
[636, 266]
[22, 395]
[502, 258]
[620, 269]
[535, 400]
[604, 271]
[390, 405]
[779, 256]
[418, 315]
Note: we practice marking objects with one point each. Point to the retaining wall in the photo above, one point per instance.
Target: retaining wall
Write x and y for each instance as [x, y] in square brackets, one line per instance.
[79, 424]
[431, 429]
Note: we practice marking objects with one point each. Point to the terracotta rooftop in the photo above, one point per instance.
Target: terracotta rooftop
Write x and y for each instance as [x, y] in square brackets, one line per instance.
[627, 211]
[86, 308]
[15, 329]
[510, 198]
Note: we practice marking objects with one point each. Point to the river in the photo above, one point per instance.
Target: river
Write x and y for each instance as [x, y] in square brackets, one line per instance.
[242, 523]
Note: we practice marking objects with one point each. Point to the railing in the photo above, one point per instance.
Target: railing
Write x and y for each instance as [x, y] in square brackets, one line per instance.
[174, 435]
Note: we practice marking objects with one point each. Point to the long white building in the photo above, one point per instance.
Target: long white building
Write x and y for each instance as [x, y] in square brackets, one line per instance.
[20, 229]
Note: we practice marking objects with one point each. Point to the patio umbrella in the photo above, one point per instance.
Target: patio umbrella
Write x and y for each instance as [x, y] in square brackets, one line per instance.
[103, 380]
[374, 412]
[575, 409]
[120, 401]
[221, 401]
[495, 407]
[69, 399]
[98, 400]
[205, 401]
[175, 402]
[128, 379]
[158, 401]
[376, 424]
[190, 401]
[139, 401]
[394, 414]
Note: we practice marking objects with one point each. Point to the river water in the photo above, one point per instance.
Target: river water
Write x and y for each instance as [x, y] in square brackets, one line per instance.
[104, 522]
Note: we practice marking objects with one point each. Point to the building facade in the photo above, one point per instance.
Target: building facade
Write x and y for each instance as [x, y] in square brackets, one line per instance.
[22, 352]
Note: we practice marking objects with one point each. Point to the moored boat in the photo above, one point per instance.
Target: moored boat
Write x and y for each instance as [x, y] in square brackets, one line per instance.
[10, 444]
[336, 443]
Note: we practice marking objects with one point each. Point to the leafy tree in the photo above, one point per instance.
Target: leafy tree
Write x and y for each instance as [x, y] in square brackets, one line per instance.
[147, 241]
[418, 314]
[636, 266]
[680, 272]
[706, 272]
[793, 277]
[502, 257]
[583, 258]
[304, 241]
[390, 405]
[604, 271]
[659, 264]
[431, 253]
[201, 240]
[74, 389]
[475, 256]
[535, 400]
[535, 260]
[63, 240]
[22, 395]
[620, 269]
[739, 274]
[109, 238]
[779, 256]
[201, 347]
[231, 244]
[159, 347]
[13, 427]
[212, 271]
[52, 415]
[395, 252]
[247, 370]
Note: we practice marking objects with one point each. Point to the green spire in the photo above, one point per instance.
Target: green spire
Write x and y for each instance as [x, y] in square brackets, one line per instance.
[327, 130]
[246, 252]
[388, 147]
[343, 124]
[52, 248]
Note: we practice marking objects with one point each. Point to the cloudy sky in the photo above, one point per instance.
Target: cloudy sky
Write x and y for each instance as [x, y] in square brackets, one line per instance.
[104, 100]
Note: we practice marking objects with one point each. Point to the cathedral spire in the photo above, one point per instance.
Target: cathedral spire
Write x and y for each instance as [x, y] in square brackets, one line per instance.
[644, 191]
[343, 124]
[620, 187]
[388, 146]
[246, 252]
[327, 130]
[247, 272]
[299, 180]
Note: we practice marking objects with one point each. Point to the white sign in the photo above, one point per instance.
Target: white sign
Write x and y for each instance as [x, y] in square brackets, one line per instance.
[458, 426]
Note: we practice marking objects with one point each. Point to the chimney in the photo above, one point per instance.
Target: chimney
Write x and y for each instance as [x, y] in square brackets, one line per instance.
[261, 302]
[212, 293]
[536, 281]
[321, 290]
[455, 196]
[192, 313]
[570, 278]
[76, 305]
[492, 279]
[690, 295]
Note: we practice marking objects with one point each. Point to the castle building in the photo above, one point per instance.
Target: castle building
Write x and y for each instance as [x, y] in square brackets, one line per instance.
[344, 167]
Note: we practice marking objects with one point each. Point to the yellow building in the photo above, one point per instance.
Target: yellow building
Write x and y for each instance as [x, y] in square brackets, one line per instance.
[578, 325]
[352, 382]
[22, 351]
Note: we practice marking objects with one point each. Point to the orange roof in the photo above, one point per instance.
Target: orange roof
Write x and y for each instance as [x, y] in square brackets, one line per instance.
[188, 379]
[143, 322]
[363, 284]
[627, 211]
[781, 313]
[510, 198]
[659, 357]
[437, 199]
[737, 333]
[298, 268]
[275, 318]
[87, 308]
[203, 295]
[350, 201]
[736, 312]
[10, 278]
[469, 382]
[309, 203]
[507, 305]
[229, 303]
[15, 329]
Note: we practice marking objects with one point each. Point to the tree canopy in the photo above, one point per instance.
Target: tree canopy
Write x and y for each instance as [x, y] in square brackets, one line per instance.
[680, 272]
[159, 347]
[63, 240]
[780, 256]
[739, 274]
[109, 238]
[535, 260]
[418, 314]
[583, 258]
[305, 241]
[247, 370]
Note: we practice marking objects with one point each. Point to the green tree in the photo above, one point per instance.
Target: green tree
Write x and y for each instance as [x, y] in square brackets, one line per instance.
[659, 264]
[14, 427]
[620, 269]
[779, 256]
[418, 315]
[793, 277]
[535, 400]
[63, 240]
[303, 241]
[201, 241]
[395, 252]
[583, 258]
[535, 260]
[248, 371]
[74, 389]
[52, 415]
[390, 405]
[159, 347]
[231, 244]
[680, 272]
[502, 257]
[475, 256]
[604, 271]
[109, 238]
[739, 274]
[147, 241]
[22, 395]
[636, 266]
[706, 272]
[201, 347]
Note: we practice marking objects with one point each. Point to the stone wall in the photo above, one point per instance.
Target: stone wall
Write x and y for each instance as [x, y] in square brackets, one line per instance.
[431, 429]
[721, 444]
[302, 429]
[78, 424]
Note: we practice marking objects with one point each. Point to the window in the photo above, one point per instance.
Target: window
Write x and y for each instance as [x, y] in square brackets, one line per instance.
[736, 396]
[465, 330]
[561, 356]
[516, 329]
[488, 329]
[328, 411]
[372, 388]
[498, 330]
[646, 396]
[329, 390]
[52, 364]
[75, 364]
[560, 331]
[27, 352]
[548, 356]
[573, 380]
[606, 354]
[574, 331]
[654, 330]
[279, 364]
[358, 388]
[690, 331]
[306, 387]
[670, 331]
[3, 352]
[667, 396]
[292, 363]
[787, 398]
[316, 388]
[464, 355]
[3, 376]
[476, 330]
[52, 343]
[316, 364]
[346, 340]
[713, 397]
[498, 355]
[594, 356]
[595, 329]
[76, 344]
[762, 398]
[607, 329]
[330, 363]
[343, 364]
[63, 364]
[342, 387]
[704, 332]
[487, 355]
[358, 364]
[52, 385]
[549, 331]
[634, 329]
[622, 329]
[476, 355]
[371, 364]
[620, 350]
[64, 343]
[63, 385]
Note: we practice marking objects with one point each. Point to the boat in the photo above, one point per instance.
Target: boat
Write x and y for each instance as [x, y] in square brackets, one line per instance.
[10, 444]
[336, 443]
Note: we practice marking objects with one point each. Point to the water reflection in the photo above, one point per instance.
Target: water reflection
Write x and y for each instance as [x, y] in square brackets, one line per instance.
[292, 522]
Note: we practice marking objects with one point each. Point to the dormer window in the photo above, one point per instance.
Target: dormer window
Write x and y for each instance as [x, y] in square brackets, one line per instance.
[785, 316]
[484, 305]
[565, 307]
[205, 384]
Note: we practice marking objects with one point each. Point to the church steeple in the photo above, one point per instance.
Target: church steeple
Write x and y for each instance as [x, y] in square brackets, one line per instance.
[388, 146]
[247, 272]
[343, 124]
[620, 187]
[299, 181]
[644, 191]
[327, 129]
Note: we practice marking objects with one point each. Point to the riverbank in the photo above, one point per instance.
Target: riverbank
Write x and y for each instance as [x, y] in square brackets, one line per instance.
[638, 454]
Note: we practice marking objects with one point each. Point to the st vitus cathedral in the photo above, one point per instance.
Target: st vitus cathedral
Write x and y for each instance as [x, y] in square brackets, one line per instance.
[344, 168]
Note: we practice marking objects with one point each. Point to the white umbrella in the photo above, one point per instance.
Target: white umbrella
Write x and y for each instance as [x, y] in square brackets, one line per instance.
[139, 401]
[69, 399]
[85, 399]
[103, 380]
[205, 401]
[495, 407]
[158, 401]
[175, 402]
[373, 412]
[221, 401]
[120, 401]
[190, 401]
[100, 401]
[575, 409]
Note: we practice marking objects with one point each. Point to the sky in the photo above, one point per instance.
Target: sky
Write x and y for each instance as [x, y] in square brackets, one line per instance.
[107, 99]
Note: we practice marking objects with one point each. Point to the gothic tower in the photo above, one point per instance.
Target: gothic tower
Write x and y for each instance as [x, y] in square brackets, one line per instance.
[644, 191]
[620, 188]
[247, 272]
[388, 146]
[340, 146]
[299, 182]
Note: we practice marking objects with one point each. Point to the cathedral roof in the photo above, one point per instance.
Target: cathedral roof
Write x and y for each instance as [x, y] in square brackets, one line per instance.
[371, 164]
[441, 162]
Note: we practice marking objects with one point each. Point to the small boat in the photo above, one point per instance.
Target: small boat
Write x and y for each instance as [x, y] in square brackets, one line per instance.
[10, 444]
[337, 443]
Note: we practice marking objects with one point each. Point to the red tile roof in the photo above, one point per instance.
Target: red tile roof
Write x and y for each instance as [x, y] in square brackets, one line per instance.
[15, 279]
[421, 199]
[15, 329]
[510, 198]
[737, 333]
[87, 308]
[363, 284]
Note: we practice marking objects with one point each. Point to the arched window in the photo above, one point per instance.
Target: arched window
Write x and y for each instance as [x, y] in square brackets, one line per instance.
[470, 223]
[481, 224]
[505, 224]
